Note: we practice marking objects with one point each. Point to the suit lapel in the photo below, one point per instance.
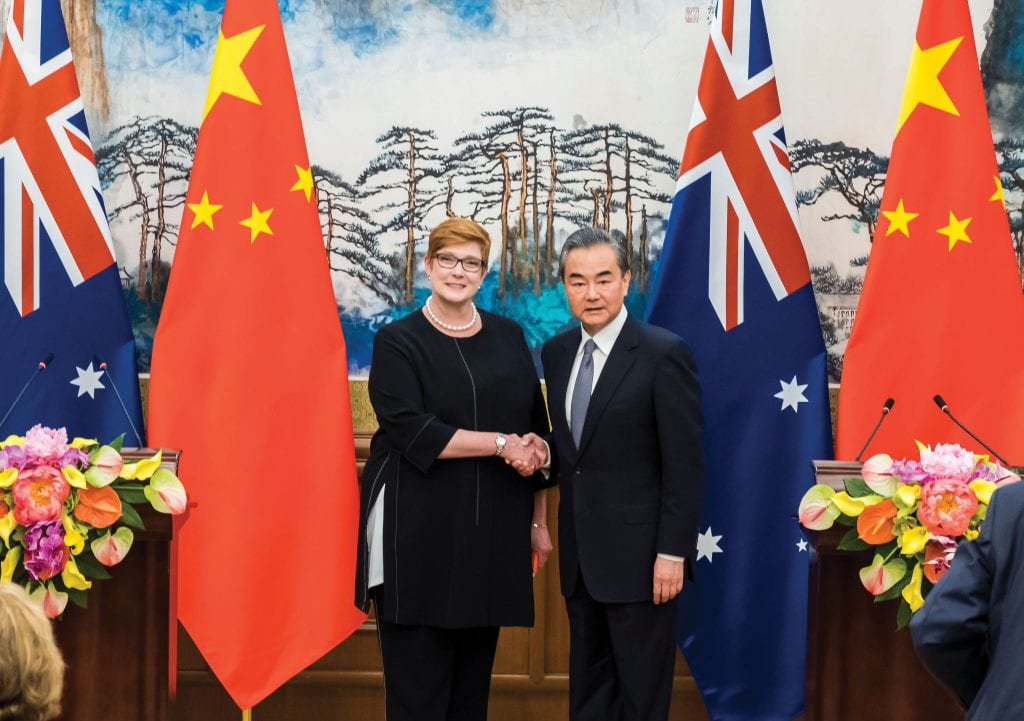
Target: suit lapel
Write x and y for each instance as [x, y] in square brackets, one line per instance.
[620, 360]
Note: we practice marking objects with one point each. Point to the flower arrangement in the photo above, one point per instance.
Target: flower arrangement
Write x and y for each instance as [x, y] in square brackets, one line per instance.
[912, 513]
[66, 511]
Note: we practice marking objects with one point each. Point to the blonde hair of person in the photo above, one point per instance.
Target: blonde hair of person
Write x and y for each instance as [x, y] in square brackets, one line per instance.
[31, 667]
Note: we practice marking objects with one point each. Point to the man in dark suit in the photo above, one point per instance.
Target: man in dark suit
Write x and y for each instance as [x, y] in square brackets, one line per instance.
[626, 421]
[970, 631]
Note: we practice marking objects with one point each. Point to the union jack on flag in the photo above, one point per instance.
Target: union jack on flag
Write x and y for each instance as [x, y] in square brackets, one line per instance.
[732, 280]
[68, 355]
[736, 137]
[47, 169]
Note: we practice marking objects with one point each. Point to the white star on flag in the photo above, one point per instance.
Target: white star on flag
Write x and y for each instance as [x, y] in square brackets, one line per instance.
[801, 546]
[88, 381]
[707, 545]
[792, 395]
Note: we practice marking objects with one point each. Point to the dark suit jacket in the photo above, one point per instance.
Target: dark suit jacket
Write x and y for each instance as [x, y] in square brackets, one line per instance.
[970, 631]
[632, 489]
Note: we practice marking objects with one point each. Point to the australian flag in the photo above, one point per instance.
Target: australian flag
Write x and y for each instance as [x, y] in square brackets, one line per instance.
[66, 352]
[733, 281]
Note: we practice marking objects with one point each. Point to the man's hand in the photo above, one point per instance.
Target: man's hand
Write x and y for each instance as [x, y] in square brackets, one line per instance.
[668, 579]
[526, 454]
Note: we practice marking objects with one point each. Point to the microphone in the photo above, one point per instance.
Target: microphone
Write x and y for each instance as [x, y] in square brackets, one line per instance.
[941, 403]
[40, 367]
[886, 407]
[128, 416]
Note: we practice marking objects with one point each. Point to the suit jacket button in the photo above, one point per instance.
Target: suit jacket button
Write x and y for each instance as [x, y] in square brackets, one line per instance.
[577, 471]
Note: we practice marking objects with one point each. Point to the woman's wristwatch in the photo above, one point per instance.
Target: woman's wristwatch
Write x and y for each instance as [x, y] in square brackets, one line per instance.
[499, 444]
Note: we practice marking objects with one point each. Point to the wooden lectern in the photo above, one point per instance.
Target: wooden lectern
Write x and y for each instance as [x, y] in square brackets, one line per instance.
[116, 650]
[858, 665]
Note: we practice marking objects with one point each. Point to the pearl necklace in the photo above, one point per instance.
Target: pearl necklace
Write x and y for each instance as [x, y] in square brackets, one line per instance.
[449, 326]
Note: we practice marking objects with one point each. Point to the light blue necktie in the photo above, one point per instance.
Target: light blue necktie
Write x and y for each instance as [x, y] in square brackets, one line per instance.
[581, 391]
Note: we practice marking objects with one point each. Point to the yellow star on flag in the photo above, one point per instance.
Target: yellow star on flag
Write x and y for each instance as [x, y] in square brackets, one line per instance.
[203, 212]
[227, 77]
[305, 181]
[956, 231]
[257, 222]
[899, 219]
[998, 195]
[923, 85]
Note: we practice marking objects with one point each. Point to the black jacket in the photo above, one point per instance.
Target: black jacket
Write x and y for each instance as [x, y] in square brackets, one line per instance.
[632, 490]
[457, 531]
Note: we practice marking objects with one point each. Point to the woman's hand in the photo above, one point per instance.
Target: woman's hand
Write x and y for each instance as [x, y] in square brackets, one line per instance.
[540, 541]
[525, 454]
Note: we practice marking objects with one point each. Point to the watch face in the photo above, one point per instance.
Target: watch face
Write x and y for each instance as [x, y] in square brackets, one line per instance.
[499, 442]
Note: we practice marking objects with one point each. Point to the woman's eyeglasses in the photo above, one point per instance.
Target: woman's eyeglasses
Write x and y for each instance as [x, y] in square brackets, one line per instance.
[449, 261]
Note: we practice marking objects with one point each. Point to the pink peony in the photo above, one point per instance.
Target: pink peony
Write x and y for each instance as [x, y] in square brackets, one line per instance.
[947, 505]
[947, 460]
[46, 445]
[39, 495]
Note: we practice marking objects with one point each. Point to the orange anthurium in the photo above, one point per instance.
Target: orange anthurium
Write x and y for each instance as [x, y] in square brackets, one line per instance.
[875, 524]
[99, 507]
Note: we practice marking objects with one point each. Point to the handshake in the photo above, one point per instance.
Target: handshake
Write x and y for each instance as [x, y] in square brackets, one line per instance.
[526, 454]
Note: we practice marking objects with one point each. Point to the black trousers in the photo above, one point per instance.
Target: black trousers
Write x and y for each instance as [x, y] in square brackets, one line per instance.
[436, 674]
[621, 658]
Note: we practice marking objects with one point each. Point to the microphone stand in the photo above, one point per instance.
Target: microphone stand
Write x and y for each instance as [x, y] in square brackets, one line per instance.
[39, 369]
[128, 416]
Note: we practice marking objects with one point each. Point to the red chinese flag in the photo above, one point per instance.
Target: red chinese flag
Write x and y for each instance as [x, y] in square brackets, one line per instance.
[942, 309]
[249, 380]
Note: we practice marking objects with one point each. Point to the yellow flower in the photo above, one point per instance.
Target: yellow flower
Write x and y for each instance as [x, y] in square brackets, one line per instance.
[73, 578]
[12, 440]
[971, 533]
[912, 591]
[914, 540]
[73, 538]
[982, 489]
[82, 443]
[7, 524]
[8, 477]
[850, 506]
[9, 563]
[142, 470]
[907, 495]
[74, 477]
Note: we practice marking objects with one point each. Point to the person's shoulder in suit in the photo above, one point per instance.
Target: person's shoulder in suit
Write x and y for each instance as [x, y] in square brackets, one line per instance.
[661, 340]
[1011, 498]
[564, 338]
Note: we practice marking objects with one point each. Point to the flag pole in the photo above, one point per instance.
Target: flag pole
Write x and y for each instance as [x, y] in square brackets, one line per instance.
[247, 714]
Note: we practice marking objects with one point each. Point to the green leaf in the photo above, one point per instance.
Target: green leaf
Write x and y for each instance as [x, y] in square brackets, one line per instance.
[846, 521]
[903, 615]
[895, 591]
[90, 567]
[117, 443]
[852, 542]
[78, 597]
[130, 492]
[887, 549]
[857, 488]
[131, 517]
